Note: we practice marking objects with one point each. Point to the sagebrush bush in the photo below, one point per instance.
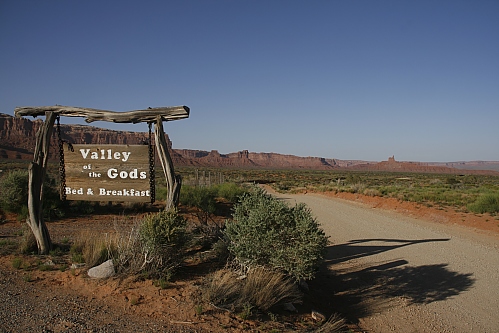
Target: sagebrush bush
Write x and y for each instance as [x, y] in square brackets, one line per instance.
[486, 203]
[266, 231]
[230, 191]
[14, 189]
[153, 245]
[202, 198]
[163, 238]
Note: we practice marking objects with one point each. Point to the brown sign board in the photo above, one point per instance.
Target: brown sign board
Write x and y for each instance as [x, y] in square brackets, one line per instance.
[108, 173]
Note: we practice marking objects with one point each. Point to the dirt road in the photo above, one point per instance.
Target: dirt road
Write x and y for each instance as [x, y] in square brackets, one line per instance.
[398, 274]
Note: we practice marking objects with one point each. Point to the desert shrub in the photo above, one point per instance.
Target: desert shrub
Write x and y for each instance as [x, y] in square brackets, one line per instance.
[486, 203]
[152, 246]
[260, 288]
[357, 188]
[51, 198]
[14, 189]
[230, 191]
[266, 231]
[161, 192]
[163, 237]
[14, 198]
[372, 192]
[202, 198]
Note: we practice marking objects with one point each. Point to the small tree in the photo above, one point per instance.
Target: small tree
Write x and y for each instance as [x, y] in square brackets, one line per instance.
[268, 232]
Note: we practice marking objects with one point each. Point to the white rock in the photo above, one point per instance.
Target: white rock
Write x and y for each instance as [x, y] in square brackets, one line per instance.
[104, 270]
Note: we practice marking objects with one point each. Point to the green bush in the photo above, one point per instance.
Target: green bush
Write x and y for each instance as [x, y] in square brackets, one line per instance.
[266, 231]
[486, 203]
[14, 189]
[202, 198]
[230, 191]
[163, 237]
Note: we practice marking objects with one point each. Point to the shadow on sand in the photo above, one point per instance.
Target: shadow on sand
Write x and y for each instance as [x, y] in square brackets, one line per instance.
[358, 291]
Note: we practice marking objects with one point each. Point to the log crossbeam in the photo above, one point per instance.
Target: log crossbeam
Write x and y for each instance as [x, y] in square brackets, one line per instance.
[136, 116]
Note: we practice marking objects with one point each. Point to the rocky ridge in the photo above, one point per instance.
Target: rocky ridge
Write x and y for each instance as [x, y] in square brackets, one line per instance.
[17, 141]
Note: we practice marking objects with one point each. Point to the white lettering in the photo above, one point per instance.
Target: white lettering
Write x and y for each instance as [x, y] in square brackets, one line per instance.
[126, 155]
[105, 154]
[124, 192]
[84, 152]
[112, 173]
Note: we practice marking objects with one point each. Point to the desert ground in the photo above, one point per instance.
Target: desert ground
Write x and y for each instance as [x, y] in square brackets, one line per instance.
[391, 267]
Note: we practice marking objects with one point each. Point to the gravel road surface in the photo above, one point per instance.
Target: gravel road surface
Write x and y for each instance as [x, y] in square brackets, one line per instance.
[399, 274]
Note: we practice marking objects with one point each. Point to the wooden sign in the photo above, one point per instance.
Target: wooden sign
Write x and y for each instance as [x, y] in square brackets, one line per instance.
[108, 173]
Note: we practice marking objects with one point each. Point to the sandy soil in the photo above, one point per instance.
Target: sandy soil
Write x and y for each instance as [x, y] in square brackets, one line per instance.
[80, 304]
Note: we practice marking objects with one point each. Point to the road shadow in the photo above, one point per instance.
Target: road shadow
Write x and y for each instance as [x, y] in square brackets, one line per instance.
[359, 291]
[358, 248]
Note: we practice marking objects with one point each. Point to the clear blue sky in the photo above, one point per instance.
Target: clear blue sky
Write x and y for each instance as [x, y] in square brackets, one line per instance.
[337, 79]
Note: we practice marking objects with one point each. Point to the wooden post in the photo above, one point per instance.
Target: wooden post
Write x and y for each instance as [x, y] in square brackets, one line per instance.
[36, 173]
[173, 182]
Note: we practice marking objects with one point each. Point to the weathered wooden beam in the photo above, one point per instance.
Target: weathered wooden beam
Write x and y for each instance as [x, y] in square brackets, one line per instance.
[173, 182]
[36, 174]
[168, 113]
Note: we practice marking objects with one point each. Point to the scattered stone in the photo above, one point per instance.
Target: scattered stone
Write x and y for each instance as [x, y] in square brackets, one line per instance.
[104, 270]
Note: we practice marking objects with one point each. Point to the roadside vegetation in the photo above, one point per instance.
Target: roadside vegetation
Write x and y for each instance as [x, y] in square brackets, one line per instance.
[216, 225]
[467, 193]
[258, 252]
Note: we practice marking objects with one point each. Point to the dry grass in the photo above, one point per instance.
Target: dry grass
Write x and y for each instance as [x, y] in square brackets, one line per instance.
[262, 288]
[222, 288]
[92, 246]
[125, 246]
[335, 324]
[27, 244]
